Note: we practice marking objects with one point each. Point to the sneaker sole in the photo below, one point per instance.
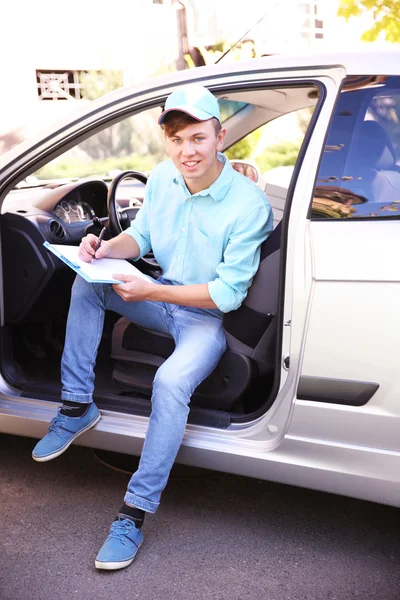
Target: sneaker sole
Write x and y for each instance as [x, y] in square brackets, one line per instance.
[64, 448]
[113, 566]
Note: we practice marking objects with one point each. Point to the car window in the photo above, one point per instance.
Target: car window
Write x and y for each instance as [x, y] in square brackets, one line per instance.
[359, 176]
[134, 143]
[275, 144]
[273, 149]
[228, 108]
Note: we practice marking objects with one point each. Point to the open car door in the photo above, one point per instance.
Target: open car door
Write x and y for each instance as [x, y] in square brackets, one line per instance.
[262, 430]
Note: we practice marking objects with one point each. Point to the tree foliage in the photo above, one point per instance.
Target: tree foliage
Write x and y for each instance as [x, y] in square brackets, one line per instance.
[130, 137]
[281, 154]
[115, 140]
[386, 13]
[97, 83]
[244, 149]
[73, 166]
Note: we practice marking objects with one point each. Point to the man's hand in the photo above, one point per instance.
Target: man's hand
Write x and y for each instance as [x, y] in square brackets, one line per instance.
[135, 289]
[88, 248]
[122, 246]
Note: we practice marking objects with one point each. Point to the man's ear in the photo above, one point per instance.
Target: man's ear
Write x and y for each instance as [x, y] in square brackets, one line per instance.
[220, 138]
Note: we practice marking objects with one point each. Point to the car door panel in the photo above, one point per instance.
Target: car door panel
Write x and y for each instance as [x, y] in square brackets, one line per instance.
[353, 331]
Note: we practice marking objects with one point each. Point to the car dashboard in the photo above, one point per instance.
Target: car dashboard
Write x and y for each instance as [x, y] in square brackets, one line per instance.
[56, 213]
[63, 212]
[74, 211]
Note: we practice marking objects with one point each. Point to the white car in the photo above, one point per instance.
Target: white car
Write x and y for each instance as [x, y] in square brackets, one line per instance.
[308, 392]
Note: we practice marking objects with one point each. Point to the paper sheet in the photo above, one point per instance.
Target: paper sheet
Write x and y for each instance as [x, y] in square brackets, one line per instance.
[99, 271]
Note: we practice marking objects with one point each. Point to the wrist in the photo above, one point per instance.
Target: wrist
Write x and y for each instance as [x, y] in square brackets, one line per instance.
[155, 292]
[108, 248]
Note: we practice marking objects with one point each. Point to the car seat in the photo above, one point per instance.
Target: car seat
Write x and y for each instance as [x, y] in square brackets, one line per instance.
[372, 166]
[250, 332]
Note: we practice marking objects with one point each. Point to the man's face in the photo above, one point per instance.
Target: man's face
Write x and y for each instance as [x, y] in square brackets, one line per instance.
[193, 150]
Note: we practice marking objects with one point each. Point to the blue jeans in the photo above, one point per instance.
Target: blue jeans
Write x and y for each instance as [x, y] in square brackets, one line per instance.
[200, 342]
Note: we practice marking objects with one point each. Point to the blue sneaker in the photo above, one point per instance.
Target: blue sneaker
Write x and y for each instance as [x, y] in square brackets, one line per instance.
[63, 431]
[121, 546]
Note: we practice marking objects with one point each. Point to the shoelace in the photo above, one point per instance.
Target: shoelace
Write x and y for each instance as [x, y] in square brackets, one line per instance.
[120, 529]
[56, 424]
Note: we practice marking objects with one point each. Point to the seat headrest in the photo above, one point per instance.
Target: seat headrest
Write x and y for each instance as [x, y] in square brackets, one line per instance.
[372, 147]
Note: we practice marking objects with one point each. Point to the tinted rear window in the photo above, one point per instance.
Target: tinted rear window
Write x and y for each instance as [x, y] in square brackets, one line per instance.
[359, 176]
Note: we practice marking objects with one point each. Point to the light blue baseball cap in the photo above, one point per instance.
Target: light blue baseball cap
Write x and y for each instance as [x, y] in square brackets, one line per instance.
[194, 100]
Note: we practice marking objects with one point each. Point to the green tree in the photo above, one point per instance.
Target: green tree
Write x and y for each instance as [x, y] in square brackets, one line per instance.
[117, 139]
[133, 143]
[386, 13]
[245, 147]
[278, 155]
[128, 139]
[97, 83]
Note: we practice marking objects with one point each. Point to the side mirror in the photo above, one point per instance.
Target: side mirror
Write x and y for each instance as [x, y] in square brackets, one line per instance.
[247, 169]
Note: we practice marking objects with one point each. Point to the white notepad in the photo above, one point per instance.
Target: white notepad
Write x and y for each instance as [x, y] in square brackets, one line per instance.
[99, 271]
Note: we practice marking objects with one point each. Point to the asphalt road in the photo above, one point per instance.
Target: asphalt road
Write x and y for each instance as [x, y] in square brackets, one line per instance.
[214, 537]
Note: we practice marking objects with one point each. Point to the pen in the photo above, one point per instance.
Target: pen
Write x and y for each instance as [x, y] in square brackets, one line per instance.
[102, 233]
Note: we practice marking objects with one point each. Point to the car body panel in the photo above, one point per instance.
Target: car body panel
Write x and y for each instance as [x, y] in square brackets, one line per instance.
[302, 461]
[356, 297]
[270, 427]
[344, 449]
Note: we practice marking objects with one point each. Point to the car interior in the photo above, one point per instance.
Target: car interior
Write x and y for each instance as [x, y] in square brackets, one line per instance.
[360, 173]
[37, 287]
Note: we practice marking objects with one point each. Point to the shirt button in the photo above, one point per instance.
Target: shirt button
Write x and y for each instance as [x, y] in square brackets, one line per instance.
[183, 229]
[179, 257]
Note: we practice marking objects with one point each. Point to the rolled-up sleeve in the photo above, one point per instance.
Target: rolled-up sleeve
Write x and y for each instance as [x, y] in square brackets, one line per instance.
[241, 258]
[140, 227]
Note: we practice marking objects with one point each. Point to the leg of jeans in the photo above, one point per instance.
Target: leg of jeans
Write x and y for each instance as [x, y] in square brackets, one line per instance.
[200, 343]
[85, 328]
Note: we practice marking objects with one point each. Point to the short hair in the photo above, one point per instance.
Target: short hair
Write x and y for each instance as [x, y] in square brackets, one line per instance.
[176, 120]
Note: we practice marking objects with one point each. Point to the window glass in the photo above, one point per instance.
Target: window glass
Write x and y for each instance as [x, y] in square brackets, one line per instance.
[359, 176]
[134, 143]
[271, 152]
[229, 107]
[275, 144]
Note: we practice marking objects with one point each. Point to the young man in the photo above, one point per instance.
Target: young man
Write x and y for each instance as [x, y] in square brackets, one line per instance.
[205, 223]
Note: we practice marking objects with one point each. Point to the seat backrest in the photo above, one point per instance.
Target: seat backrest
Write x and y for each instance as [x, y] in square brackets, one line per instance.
[372, 147]
[251, 329]
[371, 164]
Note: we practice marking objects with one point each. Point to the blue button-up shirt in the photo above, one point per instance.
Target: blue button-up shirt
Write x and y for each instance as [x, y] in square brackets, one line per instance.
[211, 237]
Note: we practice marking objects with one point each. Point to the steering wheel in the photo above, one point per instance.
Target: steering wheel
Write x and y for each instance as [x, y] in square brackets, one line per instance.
[120, 218]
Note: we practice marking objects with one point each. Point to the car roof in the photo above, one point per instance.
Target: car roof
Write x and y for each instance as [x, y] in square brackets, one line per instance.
[371, 61]
[368, 62]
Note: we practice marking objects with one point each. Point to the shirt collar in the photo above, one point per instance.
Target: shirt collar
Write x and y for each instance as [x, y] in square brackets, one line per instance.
[219, 188]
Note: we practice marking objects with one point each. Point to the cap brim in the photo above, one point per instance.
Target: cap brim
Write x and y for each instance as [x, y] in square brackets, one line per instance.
[199, 115]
